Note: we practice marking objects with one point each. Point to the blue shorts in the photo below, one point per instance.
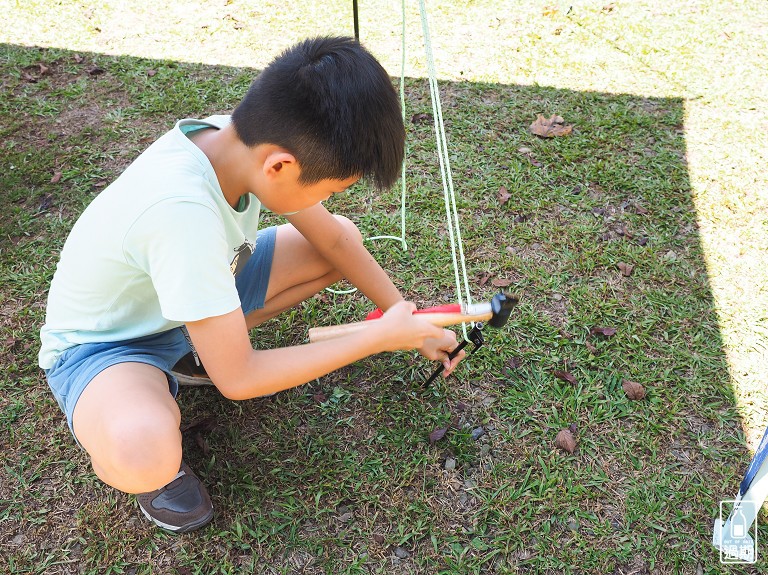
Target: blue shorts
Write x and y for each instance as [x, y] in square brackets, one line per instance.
[77, 366]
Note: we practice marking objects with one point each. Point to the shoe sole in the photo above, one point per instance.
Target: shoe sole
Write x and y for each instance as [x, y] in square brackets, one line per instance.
[184, 528]
[192, 381]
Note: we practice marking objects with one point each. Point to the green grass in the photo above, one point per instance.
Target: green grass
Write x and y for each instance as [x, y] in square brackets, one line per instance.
[664, 171]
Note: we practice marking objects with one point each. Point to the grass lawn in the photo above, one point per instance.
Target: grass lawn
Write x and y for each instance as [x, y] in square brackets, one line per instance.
[637, 245]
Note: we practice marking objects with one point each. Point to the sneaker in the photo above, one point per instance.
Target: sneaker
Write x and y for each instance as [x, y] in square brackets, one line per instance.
[181, 506]
[188, 372]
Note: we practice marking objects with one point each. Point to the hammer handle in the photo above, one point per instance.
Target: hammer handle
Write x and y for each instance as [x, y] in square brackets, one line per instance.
[439, 319]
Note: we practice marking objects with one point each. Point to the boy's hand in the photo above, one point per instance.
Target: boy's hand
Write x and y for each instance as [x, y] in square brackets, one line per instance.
[402, 330]
[409, 331]
[438, 350]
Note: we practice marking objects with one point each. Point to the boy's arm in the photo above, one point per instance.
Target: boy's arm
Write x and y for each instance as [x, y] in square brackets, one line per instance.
[240, 372]
[346, 254]
[350, 257]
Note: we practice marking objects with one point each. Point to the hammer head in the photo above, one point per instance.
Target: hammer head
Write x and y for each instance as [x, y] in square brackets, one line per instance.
[501, 306]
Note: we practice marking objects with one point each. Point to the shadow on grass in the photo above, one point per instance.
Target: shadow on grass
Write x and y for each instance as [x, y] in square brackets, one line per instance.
[339, 475]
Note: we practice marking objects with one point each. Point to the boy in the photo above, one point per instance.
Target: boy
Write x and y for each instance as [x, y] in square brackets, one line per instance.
[167, 262]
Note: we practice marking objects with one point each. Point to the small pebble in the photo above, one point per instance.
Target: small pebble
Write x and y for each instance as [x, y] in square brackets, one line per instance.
[477, 433]
[401, 553]
[19, 539]
[76, 550]
[450, 464]
[573, 525]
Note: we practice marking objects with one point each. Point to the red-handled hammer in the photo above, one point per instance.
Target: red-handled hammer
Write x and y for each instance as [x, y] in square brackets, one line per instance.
[496, 313]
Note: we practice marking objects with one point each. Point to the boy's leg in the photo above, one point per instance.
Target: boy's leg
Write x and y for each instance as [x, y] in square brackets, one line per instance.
[128, 422]
[298, 272]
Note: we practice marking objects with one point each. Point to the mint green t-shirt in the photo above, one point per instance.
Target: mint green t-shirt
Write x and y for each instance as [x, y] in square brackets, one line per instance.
[157, 248]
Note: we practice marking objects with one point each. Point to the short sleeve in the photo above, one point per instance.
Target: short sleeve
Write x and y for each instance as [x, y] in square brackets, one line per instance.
[182, 247]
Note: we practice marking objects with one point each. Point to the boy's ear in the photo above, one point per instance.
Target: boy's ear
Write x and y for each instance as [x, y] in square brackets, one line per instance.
[279, 163]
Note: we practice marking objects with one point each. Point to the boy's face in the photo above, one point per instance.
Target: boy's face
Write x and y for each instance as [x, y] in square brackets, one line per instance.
[287, 195]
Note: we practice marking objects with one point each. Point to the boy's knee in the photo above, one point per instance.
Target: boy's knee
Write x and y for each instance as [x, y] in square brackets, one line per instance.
[350, 227]
[142, 456]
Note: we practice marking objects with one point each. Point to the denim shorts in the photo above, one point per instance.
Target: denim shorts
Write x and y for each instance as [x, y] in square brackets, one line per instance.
[76, 367]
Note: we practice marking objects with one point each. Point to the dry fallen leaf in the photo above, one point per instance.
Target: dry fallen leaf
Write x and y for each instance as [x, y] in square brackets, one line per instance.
[78, 58]
[483, 279]
[565, 440]
[591, 348]
[528, 153]
[44, 69]
[550, 127]
[633, 389]
[499, 283]
[437, 434]
[504, 195]
[421, 118]
[151, 72]
[625, 269]
[514, 362]
[205, 424]
[202, 443]
[606, 331]
[565, 376]
[56, 178]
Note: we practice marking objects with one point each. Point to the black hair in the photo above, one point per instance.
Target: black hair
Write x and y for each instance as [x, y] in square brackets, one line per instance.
[331, 104]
